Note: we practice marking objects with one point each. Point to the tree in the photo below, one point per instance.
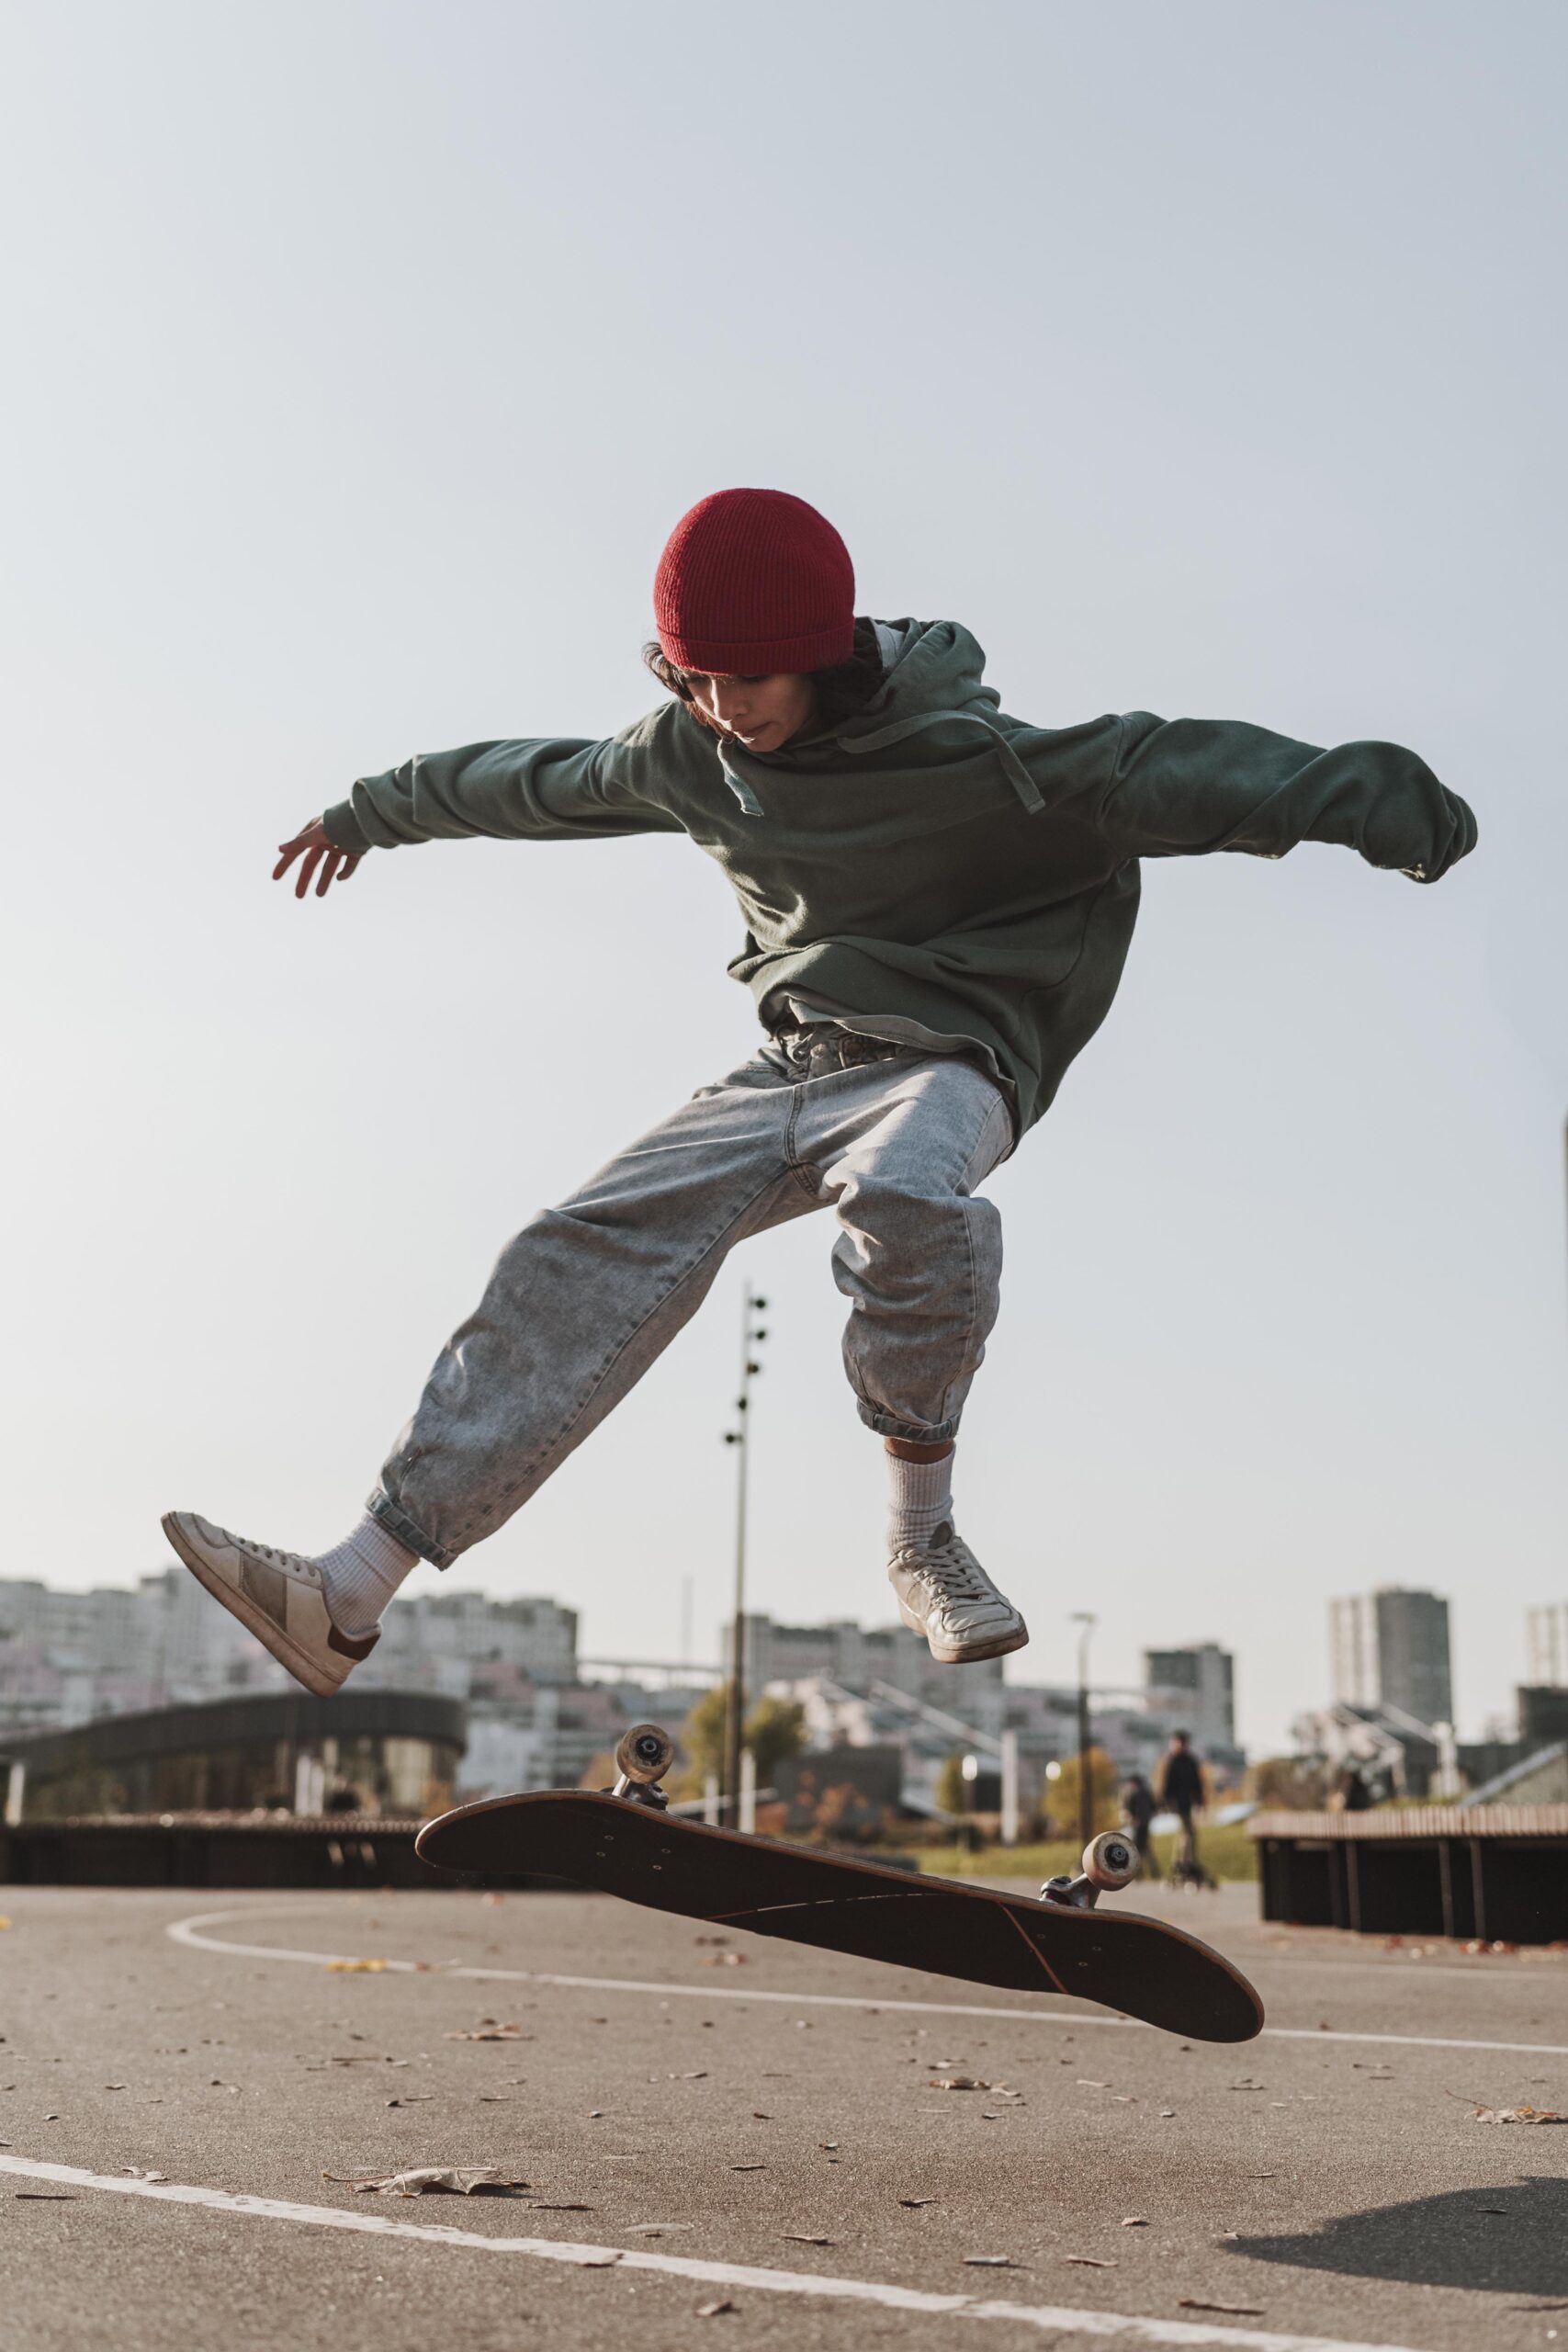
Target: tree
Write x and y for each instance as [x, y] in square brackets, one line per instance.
[1289, 1783]
[775, 1728]
[1060, 1794]
[703, 1733]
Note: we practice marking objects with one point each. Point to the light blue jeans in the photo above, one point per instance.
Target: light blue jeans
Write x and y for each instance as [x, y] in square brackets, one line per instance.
[586, 1296]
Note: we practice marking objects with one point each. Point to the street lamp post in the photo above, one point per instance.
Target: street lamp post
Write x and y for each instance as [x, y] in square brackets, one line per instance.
[751, 1332]
[970, 1768]
[1082, 1618]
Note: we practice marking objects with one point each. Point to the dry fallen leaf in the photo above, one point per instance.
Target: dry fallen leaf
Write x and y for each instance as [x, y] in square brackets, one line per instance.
[914, 2201]
[956, 2083]
[801, 2237]
[748, 2167]
[723, 1960]
[1518, 2115]
[492, 2033]
[355, 1967]
[1237, 2310]
[1089, 2261]
[540, 2208]
[712, 2310]
[990, 2261]
[1134, 2221]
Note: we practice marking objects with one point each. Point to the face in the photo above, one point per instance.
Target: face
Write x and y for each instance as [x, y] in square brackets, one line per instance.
[761, 714]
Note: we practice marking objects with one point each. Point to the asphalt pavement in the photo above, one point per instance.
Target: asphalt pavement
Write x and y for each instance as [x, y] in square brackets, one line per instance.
[715, 2137]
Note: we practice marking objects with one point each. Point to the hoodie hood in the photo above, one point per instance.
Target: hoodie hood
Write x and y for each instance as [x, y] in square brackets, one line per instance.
[934, 678]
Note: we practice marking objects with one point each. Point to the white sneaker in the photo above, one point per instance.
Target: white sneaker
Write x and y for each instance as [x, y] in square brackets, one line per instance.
[945, 1594]
[281, 1598]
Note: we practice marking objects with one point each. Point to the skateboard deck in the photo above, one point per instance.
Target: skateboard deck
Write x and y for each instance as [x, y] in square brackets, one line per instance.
[1138, 1966]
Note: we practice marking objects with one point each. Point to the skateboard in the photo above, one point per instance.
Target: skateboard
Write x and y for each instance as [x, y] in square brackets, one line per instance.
[623, 1841]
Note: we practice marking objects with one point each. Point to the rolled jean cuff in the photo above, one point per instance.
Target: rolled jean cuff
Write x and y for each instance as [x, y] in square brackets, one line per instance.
[913, 1432]
[381, 1505]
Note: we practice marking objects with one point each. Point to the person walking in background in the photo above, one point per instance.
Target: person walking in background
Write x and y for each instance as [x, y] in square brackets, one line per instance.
[1180, 1791]
[937, 900]
[1138, 1809]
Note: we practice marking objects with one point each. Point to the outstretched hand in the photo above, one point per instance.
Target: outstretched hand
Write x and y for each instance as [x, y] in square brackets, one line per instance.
[315, 845]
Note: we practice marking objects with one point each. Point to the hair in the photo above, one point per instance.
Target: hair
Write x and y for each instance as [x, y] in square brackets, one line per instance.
[840, 690]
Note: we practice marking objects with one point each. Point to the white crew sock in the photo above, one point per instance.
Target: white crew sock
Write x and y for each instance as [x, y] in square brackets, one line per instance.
[920, 1497]
[361, 1574]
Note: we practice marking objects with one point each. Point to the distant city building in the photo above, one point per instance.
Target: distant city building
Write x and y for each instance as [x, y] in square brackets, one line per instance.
[469, 1629]
[1195, 1688]
[1390, 1648]
[1546, 1638]
[1543, 1714]
[1396, 1754]
[848, 1652]
[70, 1658]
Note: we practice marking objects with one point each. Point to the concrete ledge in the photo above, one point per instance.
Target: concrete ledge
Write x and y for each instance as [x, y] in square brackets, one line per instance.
[1417, 1821]
[1499, 1875]
[215, 1850]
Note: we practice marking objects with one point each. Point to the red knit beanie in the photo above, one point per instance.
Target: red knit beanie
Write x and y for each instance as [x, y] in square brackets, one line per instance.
[753, 581]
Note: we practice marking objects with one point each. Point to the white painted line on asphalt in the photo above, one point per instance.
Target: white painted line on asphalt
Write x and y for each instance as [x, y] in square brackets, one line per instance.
[1059, 2318]
[189, 1931]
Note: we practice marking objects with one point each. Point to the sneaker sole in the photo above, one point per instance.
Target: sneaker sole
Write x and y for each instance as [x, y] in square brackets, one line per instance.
[289, 1656]
[999, 1644]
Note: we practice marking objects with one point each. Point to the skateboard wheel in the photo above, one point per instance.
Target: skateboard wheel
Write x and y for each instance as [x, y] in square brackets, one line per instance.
[1111, 1860]
[645, 1753]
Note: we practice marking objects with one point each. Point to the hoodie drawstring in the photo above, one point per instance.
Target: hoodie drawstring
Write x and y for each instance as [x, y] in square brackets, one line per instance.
[1018, 775]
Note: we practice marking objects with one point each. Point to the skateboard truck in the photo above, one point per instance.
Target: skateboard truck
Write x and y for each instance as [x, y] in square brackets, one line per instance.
[1110, 1862]
[643, 1755]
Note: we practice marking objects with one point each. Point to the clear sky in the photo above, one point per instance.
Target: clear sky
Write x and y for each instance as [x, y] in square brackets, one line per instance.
[1204, 359]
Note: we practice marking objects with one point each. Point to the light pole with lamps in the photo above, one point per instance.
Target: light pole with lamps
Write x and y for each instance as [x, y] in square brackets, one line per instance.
[751, 1332]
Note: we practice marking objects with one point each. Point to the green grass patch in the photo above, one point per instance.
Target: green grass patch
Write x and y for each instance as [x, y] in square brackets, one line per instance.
[1225, 1853]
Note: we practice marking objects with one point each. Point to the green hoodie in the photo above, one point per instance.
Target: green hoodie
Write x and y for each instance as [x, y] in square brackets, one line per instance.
[931, 864]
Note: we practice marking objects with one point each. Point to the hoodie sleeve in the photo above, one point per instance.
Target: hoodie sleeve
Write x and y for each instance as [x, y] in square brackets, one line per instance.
[553, 788]
[1184, 786]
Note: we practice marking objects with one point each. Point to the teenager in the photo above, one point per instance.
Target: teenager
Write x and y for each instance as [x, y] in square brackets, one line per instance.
[938, 900]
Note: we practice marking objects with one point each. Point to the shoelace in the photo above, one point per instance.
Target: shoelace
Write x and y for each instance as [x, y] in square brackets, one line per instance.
[246, 1544]
[952, 1573]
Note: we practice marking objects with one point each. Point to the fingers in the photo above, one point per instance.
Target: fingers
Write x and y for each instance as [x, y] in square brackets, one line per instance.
[337, 867]
[322, 860]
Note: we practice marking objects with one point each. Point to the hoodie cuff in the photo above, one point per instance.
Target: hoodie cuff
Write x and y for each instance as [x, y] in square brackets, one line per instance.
[342, 828]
